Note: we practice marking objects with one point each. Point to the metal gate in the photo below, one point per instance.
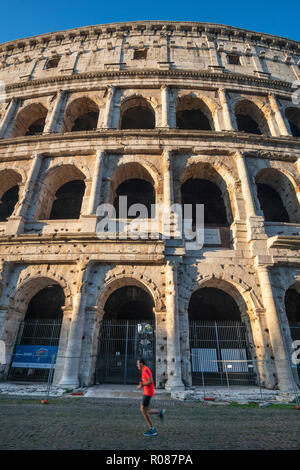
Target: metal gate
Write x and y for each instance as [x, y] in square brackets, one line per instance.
[121, 343]
[35, 350]
[220, 353]
[295, 335]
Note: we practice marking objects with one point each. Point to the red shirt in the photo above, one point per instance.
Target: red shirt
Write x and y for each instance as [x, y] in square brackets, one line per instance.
[146, 374]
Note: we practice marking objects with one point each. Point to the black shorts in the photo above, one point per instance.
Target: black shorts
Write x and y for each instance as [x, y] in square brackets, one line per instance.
[146, 400]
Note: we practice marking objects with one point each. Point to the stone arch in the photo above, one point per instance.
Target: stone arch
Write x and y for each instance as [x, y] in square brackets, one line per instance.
[283, 183]
[30, 120]
[81, 114]
[118, 280]
[194, 112]
[54, 179]
[206, 171]
[137, 112]
[130, 170]
[251, 116]
[292, 114]
[18, 295]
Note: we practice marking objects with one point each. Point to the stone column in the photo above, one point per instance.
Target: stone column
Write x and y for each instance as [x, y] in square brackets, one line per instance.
[52, 120]
[164, 106]
[108, 108]
[96, 182]
[278, 116]
[89, 220]
[280, 352]
[226, 111]
[70, 377]
[215, 64]
[174, 381]
[10, 113]
[15, 223]
[168, 193]
[246, 188]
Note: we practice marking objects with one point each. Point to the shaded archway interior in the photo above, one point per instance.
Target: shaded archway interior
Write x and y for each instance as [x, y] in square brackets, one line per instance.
[137, 191]
[68, 200]
[212, 304]
[129, 303]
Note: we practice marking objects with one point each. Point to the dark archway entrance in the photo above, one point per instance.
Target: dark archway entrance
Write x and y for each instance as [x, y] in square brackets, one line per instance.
[292, 308]
[38, 337]
[127, 332]
[218, 340]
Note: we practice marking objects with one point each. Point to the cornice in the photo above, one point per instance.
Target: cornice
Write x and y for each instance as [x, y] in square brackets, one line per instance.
[227, 77]
[164, 27]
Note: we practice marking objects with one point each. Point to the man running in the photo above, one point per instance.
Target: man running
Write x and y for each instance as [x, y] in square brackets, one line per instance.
[147, 383]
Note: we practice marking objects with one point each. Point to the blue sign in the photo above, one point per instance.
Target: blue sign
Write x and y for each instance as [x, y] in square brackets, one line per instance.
[35, 357]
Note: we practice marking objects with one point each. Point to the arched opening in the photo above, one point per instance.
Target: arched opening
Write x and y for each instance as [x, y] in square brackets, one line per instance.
[200, 191]
[192, 113]
[68, 201]
[8, 202]
[30, 121]
[293, 117]
[81, 115]
[127, 332]
[271, 204]
[137, 191]
[277, 197]
[137, 113]
[9, 193]
[218, 340]
[37, 342]
[250, 118]
[292, 308]
[62, 194]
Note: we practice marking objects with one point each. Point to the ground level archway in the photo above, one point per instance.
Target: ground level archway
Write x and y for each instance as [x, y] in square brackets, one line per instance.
[219, 346]
[127, 332]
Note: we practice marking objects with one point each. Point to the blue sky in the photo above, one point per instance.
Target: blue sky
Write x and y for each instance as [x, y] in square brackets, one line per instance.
[21, 18]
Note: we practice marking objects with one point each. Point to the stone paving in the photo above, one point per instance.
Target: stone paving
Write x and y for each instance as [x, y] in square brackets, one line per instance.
[80, 423]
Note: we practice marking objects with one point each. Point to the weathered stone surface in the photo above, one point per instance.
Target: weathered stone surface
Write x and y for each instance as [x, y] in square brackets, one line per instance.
[101, 73]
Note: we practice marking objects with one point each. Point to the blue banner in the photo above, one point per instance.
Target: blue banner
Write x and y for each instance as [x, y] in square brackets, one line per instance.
[35, 357]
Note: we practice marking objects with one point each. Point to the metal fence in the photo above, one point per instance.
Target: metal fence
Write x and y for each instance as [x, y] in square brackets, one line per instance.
[121, 343]
[212, 344]
[37, 343]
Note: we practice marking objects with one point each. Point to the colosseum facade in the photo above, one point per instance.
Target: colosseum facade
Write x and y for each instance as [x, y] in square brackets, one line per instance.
[165, 113]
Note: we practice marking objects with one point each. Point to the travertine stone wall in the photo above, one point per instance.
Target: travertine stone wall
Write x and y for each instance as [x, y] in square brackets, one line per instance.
[182, 64]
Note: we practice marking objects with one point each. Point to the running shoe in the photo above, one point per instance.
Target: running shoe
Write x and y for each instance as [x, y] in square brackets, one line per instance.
[161, 415]
[150, 432]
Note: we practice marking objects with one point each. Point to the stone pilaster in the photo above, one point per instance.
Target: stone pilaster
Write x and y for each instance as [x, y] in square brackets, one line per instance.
[53, 119]
[228, 125]
[278, 116]
[108, 108]
[70, 377]
[174, 381]
[165, 106]
[89, 221]
[280, 352]
[9, 115]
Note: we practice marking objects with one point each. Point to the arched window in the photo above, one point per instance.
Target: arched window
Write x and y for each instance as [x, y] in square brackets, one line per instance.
[200, 191]
[61, 194]
[67, 204]
[277, 197]
[137, 113]
[293, 117]
[250, 118]
[137, 191]
[30, 121]
[192, 113]
[81, 115]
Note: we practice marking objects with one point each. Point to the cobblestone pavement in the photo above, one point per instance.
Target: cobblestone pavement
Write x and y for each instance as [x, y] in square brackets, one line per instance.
[83, 424]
